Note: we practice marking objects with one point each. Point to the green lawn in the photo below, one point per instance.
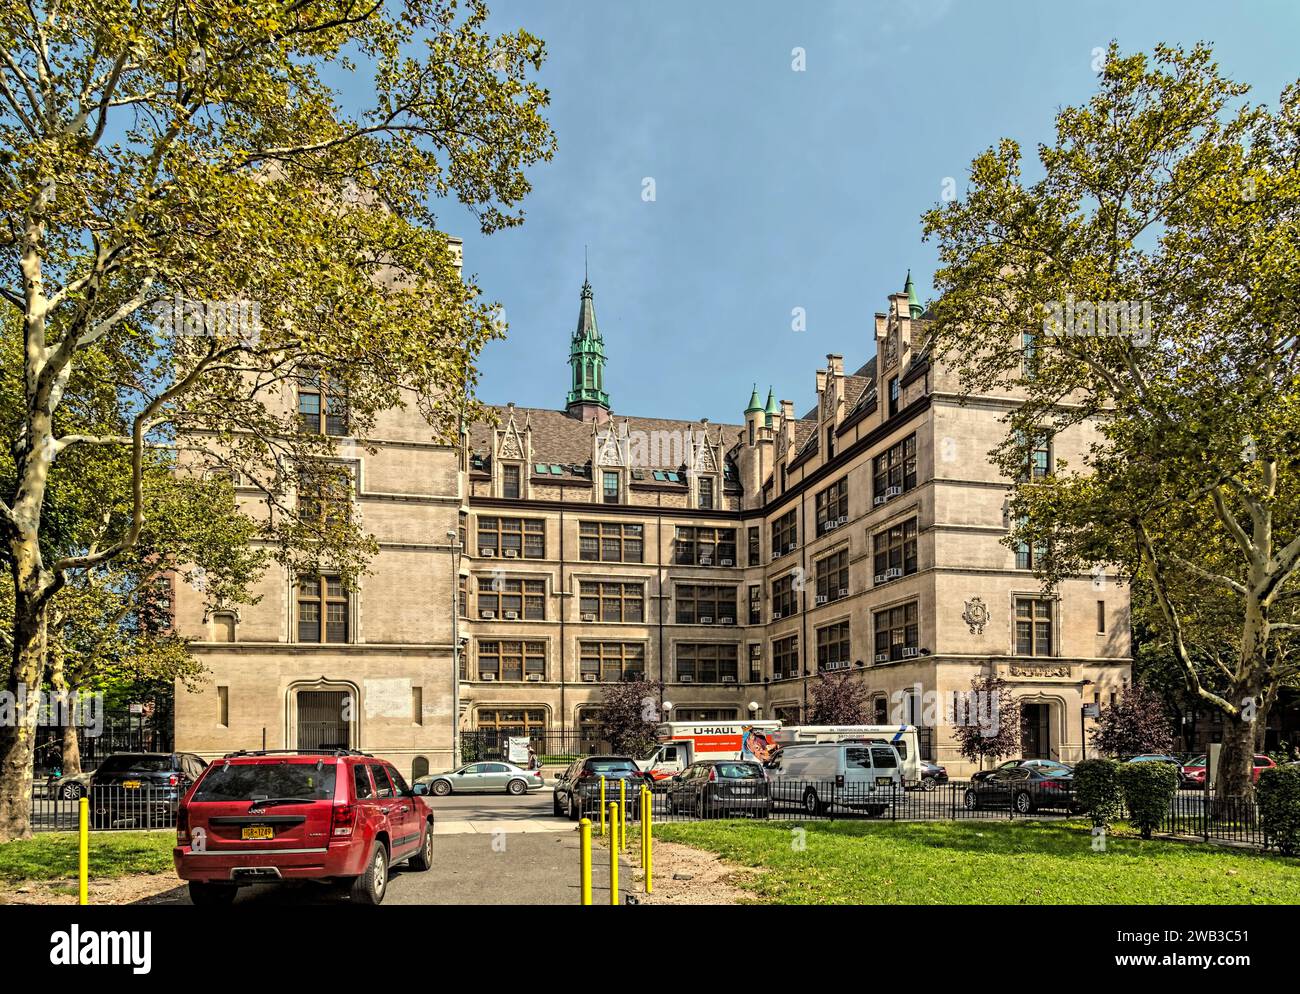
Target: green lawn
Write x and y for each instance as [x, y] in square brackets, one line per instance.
[969, 862]
[53, 855]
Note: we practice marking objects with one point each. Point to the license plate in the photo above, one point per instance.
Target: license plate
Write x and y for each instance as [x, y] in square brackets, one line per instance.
[256, 832]
[884, 781]
[131, 784]
[742, 790]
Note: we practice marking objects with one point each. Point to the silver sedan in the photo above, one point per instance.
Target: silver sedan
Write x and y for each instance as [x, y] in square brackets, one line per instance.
[478, 778]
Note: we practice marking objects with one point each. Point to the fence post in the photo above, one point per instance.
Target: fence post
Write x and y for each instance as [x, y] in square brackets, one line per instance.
[83, 861]
[584, 859]
[602, 807]
[613, 856]
[622, 815]
[647, 830]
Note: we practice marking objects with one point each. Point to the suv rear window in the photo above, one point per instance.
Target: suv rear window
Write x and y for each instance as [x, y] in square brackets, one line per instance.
[137, 764]
[611, 766]
[261, 781]
[739, 771]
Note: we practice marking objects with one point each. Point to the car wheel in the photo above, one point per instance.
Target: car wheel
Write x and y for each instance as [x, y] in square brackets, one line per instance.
[516, 787]
[811, 803]
[441, 788]
[72, 791]
[574, 812]
[1024, 803]
[423, 860]
[210, 895]
[928, 783]
[369, 888]
[971, 800]
[699, 806]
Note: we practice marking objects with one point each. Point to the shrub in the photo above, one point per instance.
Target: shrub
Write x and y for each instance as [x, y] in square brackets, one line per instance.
[1096, 787]
[1148, 788]
[1278, 794]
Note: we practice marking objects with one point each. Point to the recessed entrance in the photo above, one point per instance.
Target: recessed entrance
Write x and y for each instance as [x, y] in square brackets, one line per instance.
[322, 720]
[1036, 731]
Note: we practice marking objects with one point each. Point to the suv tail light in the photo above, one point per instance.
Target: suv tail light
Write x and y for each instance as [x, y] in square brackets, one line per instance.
[713, 774]
[341, 819]
[182, 825]
[173, 780]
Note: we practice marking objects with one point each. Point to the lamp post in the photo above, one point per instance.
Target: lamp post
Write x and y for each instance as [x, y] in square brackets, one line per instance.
[454, 537]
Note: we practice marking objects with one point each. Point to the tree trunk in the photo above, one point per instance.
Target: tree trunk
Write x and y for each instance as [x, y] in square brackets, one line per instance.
[69, 744]
[18, 740]
[1235, 776]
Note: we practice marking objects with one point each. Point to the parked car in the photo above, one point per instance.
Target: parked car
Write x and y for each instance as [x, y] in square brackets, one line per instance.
[1193, 773]
[716, 787]
[932, 774]
[143, 787]
[477, 778]
[1012, 764]
[822, 775]
[1024, 789]
[577, 789]
[258, 817]
[71, 787]
[1155, 758]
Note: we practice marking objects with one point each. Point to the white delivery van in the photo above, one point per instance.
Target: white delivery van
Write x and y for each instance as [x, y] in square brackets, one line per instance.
[681, 743]
[858, 776]
[902, 737]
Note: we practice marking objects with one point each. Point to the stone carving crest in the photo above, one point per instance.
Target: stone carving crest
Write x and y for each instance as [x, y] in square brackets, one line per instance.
[704, 461]
[608, 450]
[976, 615]
[1062, 670]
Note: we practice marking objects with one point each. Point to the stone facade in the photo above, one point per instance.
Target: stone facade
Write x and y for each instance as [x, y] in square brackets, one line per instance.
[731, 562]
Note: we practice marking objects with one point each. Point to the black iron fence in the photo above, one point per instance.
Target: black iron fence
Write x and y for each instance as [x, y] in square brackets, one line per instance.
[552, 748]
[125, 734]
[111, 808]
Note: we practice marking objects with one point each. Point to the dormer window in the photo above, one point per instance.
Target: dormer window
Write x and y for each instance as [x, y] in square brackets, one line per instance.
[706, 493]
[611, 487]
[510, 481]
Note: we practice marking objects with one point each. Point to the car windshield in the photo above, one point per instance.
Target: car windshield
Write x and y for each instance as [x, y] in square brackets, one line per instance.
[1055, 771]
[1198, 761]
[260, 781]
[137, 764]
[739, 771]
[611, 766]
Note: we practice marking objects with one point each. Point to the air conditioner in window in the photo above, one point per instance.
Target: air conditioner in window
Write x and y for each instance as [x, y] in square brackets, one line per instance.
[843, 592]
[892, 492]
[836, 664]
[727, 562]
[909, 651]
[534, 677]
[728, 679]
[487, 614]
[588, 617]
[487, 676]
[821, 598]
[841, 519]
[882, 657]
[879, 578]
[589, 678]
[686, 678]
[726, 621]
[512, 553]
[790, 547]
[706, 560]
[831, 524]
[893, 573]
[776, 615]
[706, 619]
[512, 615]
[489, 553]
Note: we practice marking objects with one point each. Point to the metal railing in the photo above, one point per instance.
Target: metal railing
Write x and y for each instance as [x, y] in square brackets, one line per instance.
[111, 808]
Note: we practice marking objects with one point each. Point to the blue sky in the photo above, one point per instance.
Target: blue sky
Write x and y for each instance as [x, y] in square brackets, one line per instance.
[777, 189]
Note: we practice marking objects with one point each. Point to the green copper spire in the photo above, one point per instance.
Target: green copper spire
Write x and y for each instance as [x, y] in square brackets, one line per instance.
[754, 404]
[587, 361]
[913, 305]
[770, 409]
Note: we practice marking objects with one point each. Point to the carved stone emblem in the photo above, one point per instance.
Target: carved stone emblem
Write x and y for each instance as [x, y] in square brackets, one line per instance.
[976, 615]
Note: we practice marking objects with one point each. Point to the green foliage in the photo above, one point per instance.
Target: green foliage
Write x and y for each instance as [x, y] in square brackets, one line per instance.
[1278, 795]
[1096, 787]
[1148, 789]
[629, 715]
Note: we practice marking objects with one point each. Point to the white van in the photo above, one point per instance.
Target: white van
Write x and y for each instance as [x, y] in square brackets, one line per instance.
[860, 776]
[902, 737]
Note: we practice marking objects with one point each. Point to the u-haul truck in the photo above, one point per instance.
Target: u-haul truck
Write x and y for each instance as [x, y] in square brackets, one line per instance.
[683, 742]
[901, 737]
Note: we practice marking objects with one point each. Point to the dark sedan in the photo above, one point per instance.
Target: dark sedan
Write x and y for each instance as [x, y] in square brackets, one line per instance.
[1015, 764]
[712, 788]
[1024, 789]
[143, 788]
[932, 774]
[578, 791]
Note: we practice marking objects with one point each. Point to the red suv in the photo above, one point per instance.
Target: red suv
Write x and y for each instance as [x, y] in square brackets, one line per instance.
[258, 817]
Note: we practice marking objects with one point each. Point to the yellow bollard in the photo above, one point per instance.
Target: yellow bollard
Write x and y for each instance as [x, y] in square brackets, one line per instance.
[602, 807]
[83, 871]
[584, 873]
[613, 856]
[645, 811]
[622, 815]
[648, 832]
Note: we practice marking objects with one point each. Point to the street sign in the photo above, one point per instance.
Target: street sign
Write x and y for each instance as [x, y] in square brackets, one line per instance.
[136, 708]
[1092, 710]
